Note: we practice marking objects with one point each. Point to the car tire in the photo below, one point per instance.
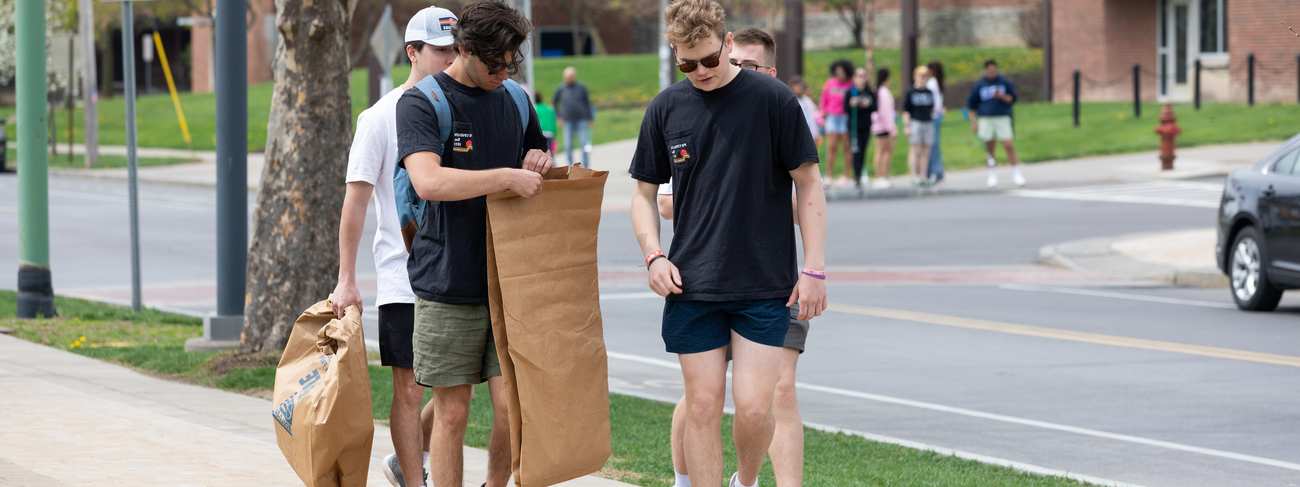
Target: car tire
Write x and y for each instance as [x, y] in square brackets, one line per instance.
[1247, 276]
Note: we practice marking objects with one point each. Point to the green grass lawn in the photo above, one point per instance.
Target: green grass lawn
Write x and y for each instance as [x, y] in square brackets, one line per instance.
[154, 342]
[106, 161]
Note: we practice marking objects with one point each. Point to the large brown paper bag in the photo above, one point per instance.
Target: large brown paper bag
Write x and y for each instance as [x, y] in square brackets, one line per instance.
[321, 404]
[545, 300]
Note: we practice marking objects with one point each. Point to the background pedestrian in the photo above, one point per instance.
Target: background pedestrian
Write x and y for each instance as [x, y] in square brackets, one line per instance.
[810, 111]
[861, 105]
[574, 103]
[918, 122]
[936, 86]
[990, 103]
[837, 121]
[546, 118]
[882, 124]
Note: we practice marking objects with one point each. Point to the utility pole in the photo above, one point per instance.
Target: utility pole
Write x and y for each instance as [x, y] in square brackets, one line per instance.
[789, 42]
[128, 87]
[908, 15]
[89, 89]
[35, 290]
[530, 78]
[665, 51]
[223, 331]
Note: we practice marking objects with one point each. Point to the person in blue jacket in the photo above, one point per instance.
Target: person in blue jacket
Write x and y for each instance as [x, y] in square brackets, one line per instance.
[990, 103]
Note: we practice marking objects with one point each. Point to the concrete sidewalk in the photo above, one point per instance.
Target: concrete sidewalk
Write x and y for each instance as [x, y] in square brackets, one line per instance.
[66, 419]
[616, 157]
[1182, 258]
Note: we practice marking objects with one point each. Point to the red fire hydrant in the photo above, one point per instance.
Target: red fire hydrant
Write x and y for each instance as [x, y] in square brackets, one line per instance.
[1168, 131]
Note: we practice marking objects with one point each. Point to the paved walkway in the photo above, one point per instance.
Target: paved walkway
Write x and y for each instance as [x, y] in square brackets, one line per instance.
[615, 157]
[1182, 258]
[70, 420]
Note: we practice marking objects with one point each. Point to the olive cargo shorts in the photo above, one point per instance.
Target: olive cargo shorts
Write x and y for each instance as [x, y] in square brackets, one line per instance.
[453, 344]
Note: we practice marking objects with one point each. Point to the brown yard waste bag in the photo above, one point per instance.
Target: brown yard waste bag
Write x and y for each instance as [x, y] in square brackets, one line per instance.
[321, 404]
[545, 299]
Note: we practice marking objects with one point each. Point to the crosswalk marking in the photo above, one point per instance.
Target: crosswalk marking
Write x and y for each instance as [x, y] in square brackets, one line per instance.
[1178, 193]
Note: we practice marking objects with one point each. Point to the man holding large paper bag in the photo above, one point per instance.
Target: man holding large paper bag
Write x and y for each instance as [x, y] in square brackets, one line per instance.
[488, 150]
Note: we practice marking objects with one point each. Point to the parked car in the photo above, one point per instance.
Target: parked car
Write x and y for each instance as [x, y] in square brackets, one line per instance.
[1259, 229]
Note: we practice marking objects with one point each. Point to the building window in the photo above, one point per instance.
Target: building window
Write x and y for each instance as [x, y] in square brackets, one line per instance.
[1213, 29]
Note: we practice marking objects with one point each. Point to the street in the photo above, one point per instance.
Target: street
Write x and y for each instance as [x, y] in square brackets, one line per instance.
[943, 329]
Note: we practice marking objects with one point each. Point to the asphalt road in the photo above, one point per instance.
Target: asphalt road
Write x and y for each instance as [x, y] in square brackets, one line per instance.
[1124, 381]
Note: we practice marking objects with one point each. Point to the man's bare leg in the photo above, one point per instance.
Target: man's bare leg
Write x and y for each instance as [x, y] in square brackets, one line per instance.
[989, 147]
[677, 436]
[499, 464]
[753, 387]
[406, 425]
[923, 162]
[426, 421]
[705, 374]
[446, 445]
[1010, 147]
[786, 451]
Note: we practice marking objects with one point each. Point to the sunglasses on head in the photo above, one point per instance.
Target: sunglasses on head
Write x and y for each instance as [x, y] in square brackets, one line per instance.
[688, 66]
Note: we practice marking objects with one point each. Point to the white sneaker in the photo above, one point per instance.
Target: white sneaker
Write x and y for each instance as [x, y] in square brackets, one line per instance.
[881, 183]
[993, 180]
[735, 481]
[1018, 179]
[393, 470]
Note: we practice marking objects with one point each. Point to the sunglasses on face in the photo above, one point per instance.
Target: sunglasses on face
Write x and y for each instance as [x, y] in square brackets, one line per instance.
[752, 66]
[512, 68]
[688, 66]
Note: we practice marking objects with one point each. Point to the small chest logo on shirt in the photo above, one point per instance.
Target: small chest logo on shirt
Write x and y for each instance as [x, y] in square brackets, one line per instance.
[461, 142]
[680, 156]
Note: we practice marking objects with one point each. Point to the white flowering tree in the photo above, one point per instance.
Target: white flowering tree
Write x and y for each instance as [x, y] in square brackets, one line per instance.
[58, 19]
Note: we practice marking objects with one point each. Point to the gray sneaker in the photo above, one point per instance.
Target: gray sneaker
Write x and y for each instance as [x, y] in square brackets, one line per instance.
[393, 471]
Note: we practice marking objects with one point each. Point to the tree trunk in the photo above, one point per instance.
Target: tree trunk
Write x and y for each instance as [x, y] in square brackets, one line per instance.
[110, 62]
[870, 39]
[579, 40]
[597, 43]
[294, 255]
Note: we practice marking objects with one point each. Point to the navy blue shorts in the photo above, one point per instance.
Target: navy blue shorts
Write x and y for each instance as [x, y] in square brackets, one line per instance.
[700, 326]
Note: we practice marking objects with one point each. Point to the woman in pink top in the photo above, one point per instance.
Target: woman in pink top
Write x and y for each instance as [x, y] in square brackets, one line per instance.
[837, 120]
[882, 124]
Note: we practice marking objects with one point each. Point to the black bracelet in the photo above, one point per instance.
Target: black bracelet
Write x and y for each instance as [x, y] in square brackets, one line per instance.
[652, 261]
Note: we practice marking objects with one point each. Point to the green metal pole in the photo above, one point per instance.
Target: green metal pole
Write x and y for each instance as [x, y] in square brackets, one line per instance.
[35, 292]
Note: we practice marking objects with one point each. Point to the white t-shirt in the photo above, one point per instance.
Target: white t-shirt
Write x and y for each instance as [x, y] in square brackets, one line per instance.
[810, 113]
[933, 86]
[373, 159]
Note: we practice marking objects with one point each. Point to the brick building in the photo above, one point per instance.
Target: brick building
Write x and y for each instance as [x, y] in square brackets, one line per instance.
[1103, 38]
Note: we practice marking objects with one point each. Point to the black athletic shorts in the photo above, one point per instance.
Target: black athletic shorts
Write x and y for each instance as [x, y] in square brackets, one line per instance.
[396, 326]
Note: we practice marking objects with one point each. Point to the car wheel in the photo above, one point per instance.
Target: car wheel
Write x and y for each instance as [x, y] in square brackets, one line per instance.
[1251, 288]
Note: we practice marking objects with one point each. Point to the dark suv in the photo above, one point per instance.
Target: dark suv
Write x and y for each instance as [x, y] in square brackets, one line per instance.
[1259, 229]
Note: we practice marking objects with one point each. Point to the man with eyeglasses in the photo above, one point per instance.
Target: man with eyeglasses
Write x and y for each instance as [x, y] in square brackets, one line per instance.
[755, 50]
[454, 348]
[732, 140]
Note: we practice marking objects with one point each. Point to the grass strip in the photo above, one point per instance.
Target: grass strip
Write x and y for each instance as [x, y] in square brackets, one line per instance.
[106, 161]
[153, 342]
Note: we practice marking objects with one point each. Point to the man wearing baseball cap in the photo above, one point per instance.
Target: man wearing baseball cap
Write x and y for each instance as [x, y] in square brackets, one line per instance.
[371, 163]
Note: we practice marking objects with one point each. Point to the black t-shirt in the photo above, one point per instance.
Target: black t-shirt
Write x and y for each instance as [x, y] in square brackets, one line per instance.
[729, 153]
[448, 262]
[862, 113]
[920, 103]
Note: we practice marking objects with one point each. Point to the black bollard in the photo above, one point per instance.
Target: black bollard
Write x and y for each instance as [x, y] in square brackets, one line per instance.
[1196, 86]
[1076, 98]
[1137, 90]
[1250, 79]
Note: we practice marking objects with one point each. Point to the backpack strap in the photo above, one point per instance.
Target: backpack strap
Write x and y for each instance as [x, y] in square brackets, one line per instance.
[522, 104]
[433, 91]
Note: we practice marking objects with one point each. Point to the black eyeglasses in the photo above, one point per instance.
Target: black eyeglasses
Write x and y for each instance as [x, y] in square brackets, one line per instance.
[752, 66]
[710, 62]
[512, 68]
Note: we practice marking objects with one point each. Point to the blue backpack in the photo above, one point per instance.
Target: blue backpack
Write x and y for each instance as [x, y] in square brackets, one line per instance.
[410, 208]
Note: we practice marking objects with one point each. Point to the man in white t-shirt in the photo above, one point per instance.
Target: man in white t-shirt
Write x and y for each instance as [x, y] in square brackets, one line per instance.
[370, 169]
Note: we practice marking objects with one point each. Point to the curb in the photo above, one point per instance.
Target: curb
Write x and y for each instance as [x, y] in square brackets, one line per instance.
[119, 174]
[857, 194]
[1097, 256]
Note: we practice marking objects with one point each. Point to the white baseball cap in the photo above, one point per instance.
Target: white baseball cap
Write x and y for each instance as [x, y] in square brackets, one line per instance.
[431, 26]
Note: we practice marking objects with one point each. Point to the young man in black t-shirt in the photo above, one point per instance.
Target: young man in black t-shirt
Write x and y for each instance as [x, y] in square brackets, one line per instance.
[918, 125]
[454, 349]
[732, 141]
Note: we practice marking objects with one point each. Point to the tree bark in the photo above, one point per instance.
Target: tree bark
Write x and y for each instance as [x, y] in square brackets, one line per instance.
[294, 255]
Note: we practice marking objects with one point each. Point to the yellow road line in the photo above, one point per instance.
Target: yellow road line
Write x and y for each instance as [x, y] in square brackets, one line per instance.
[1075, 336]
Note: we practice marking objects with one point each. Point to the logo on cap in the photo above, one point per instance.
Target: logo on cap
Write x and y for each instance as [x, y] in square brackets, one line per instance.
[446, 23]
